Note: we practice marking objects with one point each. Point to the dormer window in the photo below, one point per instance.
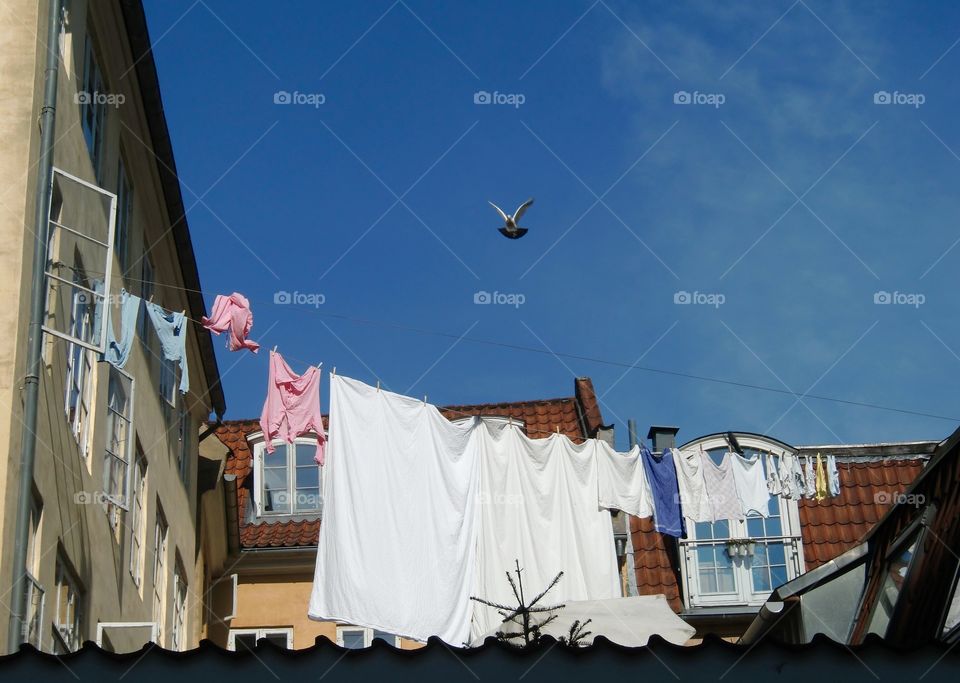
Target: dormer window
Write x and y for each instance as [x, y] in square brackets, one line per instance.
[287, 481]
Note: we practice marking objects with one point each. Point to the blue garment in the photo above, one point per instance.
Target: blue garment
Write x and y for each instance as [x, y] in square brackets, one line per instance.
[117, 352]
[172, 330]
[662, 475]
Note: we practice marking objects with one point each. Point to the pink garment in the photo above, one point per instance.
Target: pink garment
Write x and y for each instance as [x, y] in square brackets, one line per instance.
[232, 314]
[292, 407]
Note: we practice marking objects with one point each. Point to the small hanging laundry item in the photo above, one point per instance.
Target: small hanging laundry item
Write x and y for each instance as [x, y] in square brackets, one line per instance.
[117, 352]
[833, 475]
[292, 407]
[774, 485]
[172, 330]
[232, 314]
[750, 483]
[694, 499]
[809, 478]
[721, 488]
[662, 475]
[822, 485]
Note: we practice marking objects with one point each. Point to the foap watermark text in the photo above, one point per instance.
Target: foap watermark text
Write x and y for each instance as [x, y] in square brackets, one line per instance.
[899, 298]
[315, 299]
[911, 99]
[499, 298]
[312, 99]
[714, 299]
[513, 99]
[711, 99]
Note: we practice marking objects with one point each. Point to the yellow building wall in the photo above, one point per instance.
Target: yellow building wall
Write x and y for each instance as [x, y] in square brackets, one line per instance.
[281, 601]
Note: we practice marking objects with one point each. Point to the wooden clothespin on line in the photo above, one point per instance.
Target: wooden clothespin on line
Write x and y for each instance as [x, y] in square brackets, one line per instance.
[378, 385]
[274, 349]
[333, 373]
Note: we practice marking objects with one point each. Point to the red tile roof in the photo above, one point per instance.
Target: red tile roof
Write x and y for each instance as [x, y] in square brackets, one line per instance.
[828, 528]
[540, 417]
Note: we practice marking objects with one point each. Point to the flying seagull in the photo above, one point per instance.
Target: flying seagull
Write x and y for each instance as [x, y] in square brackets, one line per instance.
[510, 229]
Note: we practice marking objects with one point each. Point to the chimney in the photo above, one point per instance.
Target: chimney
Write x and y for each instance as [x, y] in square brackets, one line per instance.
[662, 438]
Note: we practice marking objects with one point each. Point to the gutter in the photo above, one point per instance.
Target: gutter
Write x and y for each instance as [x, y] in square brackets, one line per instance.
[31, 382]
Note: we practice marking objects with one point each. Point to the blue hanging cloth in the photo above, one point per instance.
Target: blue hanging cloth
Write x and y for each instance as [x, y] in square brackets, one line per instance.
[662, 474]
[172, 330]
[117, 352]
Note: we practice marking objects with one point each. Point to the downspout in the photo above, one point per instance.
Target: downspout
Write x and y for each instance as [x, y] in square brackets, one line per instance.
[31, 383]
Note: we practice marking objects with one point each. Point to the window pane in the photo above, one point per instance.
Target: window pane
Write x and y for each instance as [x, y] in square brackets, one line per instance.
[761, 582]
[778, 575]
[708, 581]
[305, 454]
[353, 640]
[276, 638]
[721, 529]
[308, 499]
[777, 554]
[308, 477]
[725, 578]
[705, 557]
[244, 641]
[755, 527]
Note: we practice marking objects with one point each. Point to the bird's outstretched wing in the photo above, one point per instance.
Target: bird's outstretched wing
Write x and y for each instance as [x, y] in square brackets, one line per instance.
[518, 214]
[506, 219]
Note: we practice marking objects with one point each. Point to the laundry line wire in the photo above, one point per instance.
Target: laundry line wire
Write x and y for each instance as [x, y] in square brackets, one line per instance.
[570, 356]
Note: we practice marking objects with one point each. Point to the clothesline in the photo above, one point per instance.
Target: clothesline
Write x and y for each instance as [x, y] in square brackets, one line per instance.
[589, 359]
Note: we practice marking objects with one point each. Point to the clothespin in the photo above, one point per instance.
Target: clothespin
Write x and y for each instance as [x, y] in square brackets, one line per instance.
[558, 429]
[424, 399]
[151, 298]
[274, 349]
[333, 373]
[510, 418]
[378, 385]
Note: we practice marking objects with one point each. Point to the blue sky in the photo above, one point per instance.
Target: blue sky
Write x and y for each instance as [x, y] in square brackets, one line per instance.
[783, 190]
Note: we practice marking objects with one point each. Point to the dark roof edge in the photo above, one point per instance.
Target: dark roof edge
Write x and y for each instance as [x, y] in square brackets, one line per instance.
[135, 21]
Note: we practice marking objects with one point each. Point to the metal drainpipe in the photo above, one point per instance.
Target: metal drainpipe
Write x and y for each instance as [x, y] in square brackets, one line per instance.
[31, 383]
[631, 564]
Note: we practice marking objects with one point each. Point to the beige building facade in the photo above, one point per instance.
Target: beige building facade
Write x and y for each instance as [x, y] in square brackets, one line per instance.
[114, 552]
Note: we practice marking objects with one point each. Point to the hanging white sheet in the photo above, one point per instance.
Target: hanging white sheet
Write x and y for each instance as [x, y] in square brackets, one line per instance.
[623, 481]
[538, 505]
[398, 537]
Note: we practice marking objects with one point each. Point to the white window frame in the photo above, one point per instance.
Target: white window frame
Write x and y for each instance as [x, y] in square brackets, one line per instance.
[368, 635]
[742, 595]
[93, 106]
[259, 453]
[260, 634]
[138, 516]
[178, 629]
[67, 628]
[36, 595]
[114, 501]
[78, 390]
[161, 537]
[52, 274]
